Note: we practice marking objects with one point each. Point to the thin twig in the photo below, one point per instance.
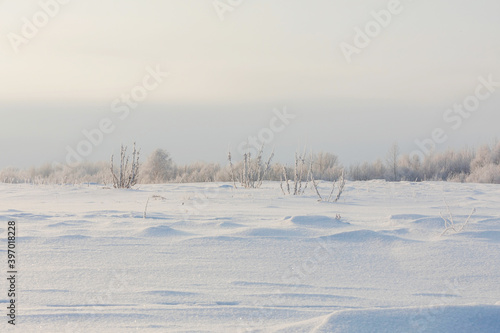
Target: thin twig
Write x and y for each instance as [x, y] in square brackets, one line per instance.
[145, 209]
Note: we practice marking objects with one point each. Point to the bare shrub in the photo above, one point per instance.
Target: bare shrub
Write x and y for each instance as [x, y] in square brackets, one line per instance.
[301, 172]
[338, 184]
[252, 171]
[128, 172]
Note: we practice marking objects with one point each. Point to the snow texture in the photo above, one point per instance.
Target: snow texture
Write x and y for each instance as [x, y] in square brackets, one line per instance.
[209, 258]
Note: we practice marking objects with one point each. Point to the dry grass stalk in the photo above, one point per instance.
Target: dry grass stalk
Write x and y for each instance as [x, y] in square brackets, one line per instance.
[449, 223]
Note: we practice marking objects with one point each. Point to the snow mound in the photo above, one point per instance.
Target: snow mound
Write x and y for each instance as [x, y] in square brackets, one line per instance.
[400, 231]
[429, 223]
[363, 236]
[71, 237]
[163, 231]
[490, 235]
[419, 221]
[407, 217]
[59, 239]
[28, 216]
[426, 319]
[61, 224]
[166, 293]
[230, 225]
[317, 221]
[308, 296]
[270, 232]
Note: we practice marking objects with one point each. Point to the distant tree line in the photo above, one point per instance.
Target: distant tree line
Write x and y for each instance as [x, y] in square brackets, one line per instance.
[466, 165]
[480, 165]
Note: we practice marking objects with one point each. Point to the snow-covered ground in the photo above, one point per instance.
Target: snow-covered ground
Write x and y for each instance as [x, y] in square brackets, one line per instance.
[208, 258]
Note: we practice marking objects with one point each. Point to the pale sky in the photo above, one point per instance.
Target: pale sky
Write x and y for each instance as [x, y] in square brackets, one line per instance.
[226, 76]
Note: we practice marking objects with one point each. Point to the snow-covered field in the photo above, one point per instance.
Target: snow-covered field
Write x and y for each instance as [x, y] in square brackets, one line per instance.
[208, 258]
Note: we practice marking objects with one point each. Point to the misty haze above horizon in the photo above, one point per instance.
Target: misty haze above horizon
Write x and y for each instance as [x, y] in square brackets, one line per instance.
[227, 78]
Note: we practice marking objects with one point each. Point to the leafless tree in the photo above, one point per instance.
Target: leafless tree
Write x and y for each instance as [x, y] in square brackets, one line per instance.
[392, 161]
[158, 167]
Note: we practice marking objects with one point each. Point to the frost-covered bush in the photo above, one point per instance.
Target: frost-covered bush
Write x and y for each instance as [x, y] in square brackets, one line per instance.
[495, 154]
[483, 157]
[368, 171]
[485, 167]
[158, 168]
[465, 165]
[13, 175]
[326, 166]
[196, 172]
[85, 172]
[489, 173]
[442, 166]
[252, 170]
[410, 168]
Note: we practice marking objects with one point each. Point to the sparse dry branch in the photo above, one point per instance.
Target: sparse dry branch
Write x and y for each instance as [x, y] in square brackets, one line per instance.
[449, 223]
[340, 186]
[128, 175]
[252, 171]
[232, 169]
[315, 185]
[333, 190]
[145, 209]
